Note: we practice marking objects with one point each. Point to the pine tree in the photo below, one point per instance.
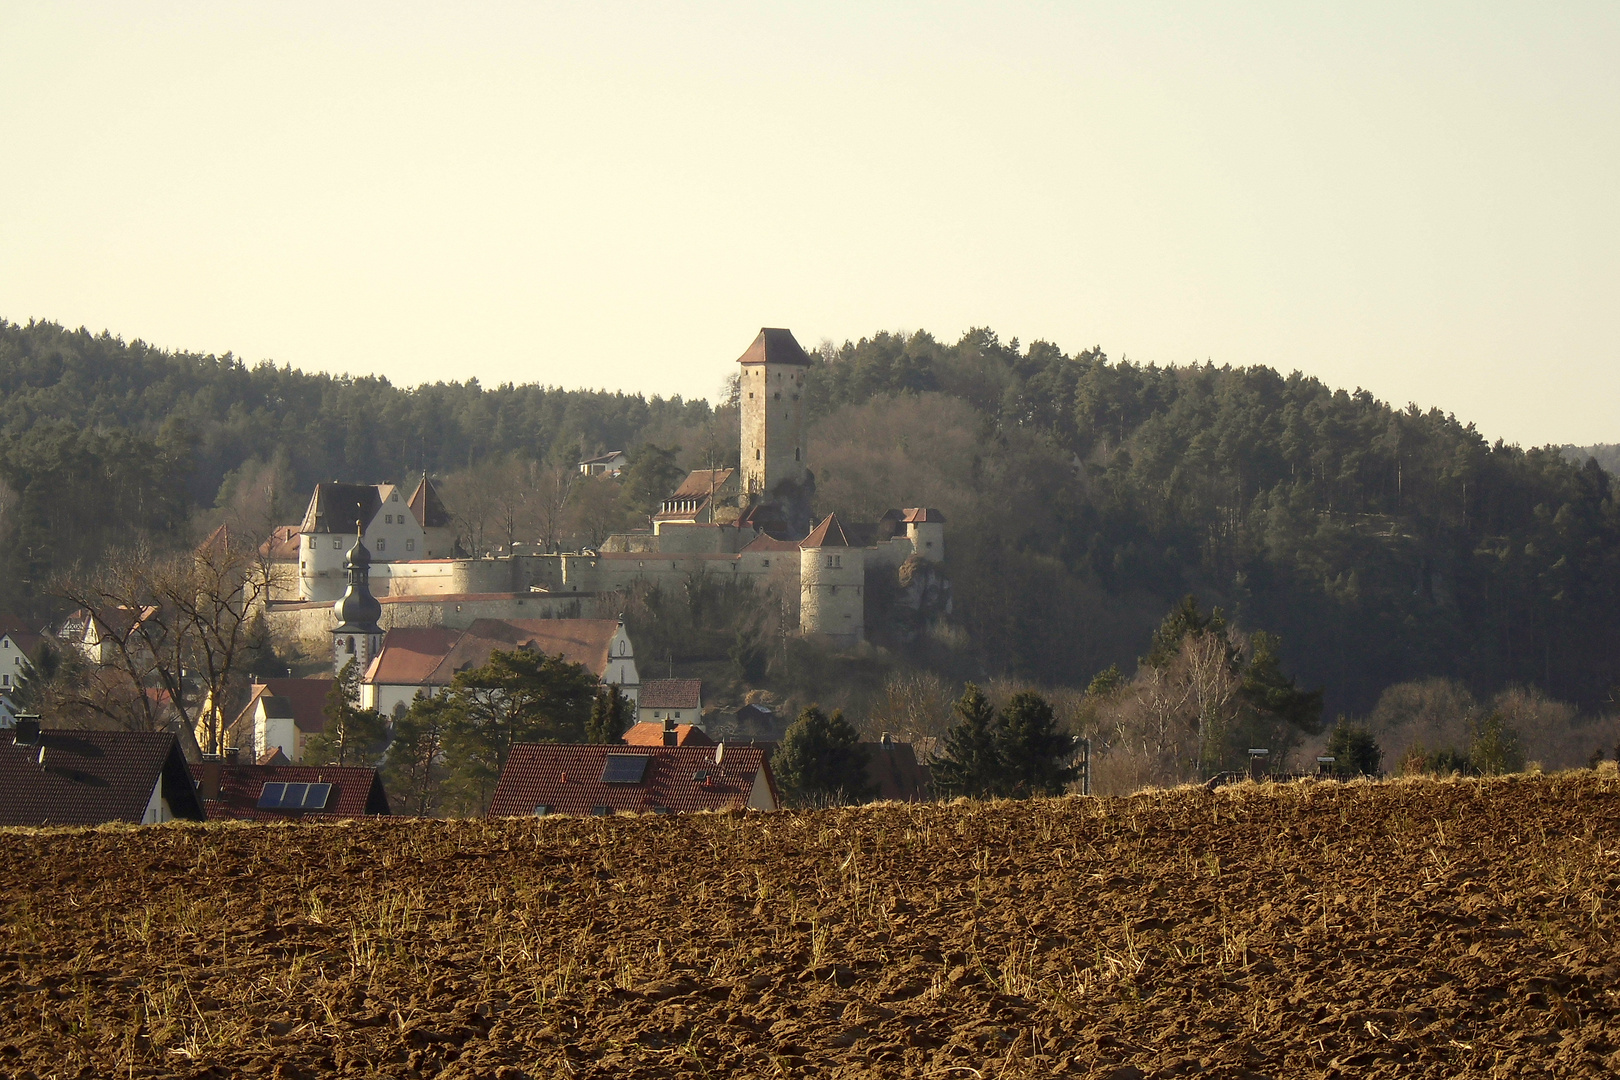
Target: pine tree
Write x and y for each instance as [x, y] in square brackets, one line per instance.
[1354, 750]
[821, 759]
[1033, 752]
[970, 763]
[607, 720]
[353, 736]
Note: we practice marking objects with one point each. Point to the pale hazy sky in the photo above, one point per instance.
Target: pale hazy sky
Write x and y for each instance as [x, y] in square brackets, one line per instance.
[1421, 199]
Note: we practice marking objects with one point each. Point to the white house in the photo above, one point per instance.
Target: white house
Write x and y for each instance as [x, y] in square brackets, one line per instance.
[611, 463]
[16, 648]
[679, 701]
[281, 714]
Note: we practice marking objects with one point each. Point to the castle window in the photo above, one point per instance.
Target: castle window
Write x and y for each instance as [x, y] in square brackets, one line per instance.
[835, 590]
[838, 560]
[337, 543]
[382, 545]
[351, 644]
[779, 395]
[756, 454]
[410, 545]
[829, 561]
[766, 563]
[795, 453]
[389, 519]
[312, 541]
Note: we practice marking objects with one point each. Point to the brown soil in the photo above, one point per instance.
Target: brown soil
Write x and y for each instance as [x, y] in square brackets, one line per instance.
[1415, 928]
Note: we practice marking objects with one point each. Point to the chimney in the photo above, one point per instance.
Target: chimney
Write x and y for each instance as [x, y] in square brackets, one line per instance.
[208, 783]
[233, 755]
[27, 730]
[671, 736]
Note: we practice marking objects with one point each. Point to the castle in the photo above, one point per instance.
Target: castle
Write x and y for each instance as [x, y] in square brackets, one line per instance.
[753, 523]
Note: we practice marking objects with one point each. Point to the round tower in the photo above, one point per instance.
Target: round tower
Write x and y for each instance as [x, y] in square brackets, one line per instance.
[925, 528]
[832, 585]
[772, 407]
[357, 636]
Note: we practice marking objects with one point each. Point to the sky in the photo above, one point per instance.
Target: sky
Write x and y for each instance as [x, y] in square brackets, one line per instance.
[1422, 199]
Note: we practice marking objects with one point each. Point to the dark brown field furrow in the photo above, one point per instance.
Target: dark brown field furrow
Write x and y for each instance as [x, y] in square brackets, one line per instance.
[1462, 928]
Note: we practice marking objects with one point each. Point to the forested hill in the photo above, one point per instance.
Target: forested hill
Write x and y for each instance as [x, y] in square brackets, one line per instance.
[1382, 544]
[104, 439]
[1084, 496]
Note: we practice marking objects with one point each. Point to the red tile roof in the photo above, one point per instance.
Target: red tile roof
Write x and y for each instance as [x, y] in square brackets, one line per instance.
[431, 656]
[828, 534]
[568, 780]
[767, 542]
[579, 641]
[670, 694]
[651, 733]
[427, 506]
[410, 654]
[90, 777]
[700, 483]
[303, 700]
[356, 792]
[775, 346]
[283, 543]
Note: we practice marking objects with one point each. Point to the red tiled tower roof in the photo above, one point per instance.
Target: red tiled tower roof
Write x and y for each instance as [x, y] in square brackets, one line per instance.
[828, 534]
[775, 346]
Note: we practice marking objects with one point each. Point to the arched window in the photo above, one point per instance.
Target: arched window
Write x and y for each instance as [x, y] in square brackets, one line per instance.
[351, 644]
[795, 453]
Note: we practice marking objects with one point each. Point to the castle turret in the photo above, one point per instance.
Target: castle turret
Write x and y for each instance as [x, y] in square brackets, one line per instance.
[925, 528]
[832, 585]
[357, 636]
[773, 446]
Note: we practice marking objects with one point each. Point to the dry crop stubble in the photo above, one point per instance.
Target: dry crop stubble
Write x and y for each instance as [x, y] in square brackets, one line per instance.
[1446, 928]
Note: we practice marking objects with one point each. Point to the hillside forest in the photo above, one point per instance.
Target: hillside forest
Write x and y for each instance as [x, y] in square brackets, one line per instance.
[1374, 546]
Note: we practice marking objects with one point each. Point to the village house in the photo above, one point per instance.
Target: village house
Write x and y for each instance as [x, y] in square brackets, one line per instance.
[17, 647]
[680, 700]
[94, 777]
[611, 463]
[283, 792]
[424, 661]
[98, 634]
[586, 780]
[280, 715]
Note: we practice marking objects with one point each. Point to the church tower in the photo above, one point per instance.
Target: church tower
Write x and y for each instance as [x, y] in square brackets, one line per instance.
[357, 636]
[773, 447]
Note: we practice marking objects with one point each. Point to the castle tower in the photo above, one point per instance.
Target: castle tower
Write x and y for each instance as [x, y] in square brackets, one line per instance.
[357, 636]
[773, 447]
[832, 585]
[925, 528]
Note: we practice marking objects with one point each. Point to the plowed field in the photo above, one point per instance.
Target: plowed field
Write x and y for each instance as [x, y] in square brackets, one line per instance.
[1463, 928]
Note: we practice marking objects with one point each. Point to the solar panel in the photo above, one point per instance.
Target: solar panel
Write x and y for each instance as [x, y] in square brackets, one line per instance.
[319, 795]
[624, 768]
[270, 796]
[293, 798]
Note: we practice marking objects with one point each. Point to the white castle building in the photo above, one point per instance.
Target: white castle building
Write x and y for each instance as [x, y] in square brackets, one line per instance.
[751, 524]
